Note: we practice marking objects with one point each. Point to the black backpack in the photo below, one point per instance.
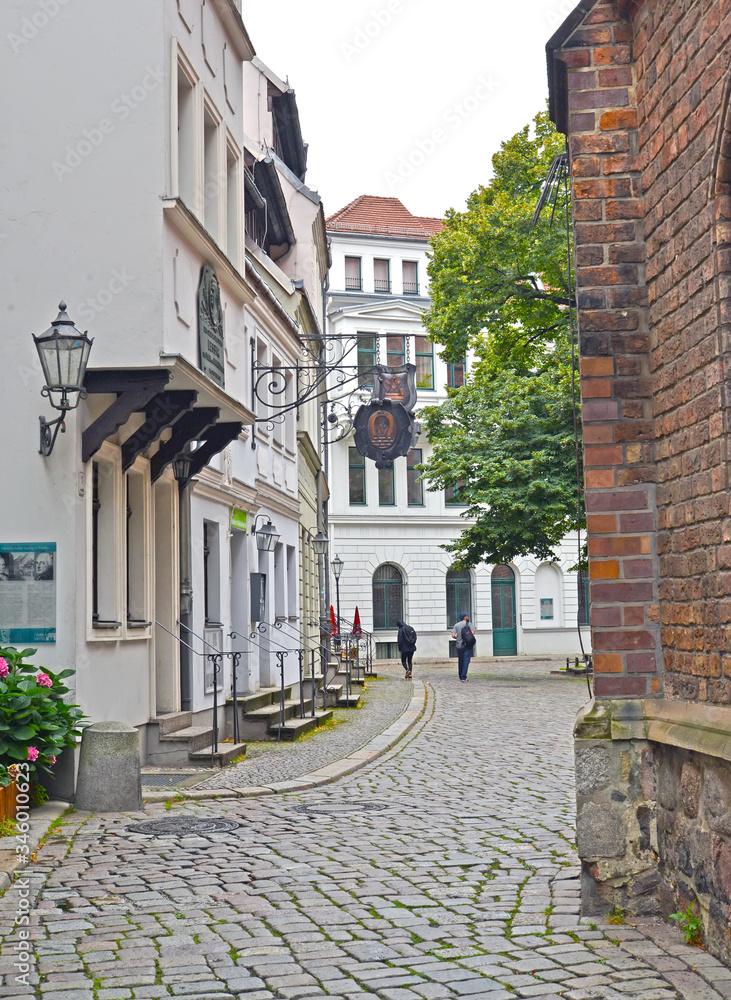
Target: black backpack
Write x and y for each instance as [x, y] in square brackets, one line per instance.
[468, 636]
[409, 635]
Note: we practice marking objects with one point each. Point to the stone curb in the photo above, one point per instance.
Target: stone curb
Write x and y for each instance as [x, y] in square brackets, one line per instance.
[40, 820]
[372, 750]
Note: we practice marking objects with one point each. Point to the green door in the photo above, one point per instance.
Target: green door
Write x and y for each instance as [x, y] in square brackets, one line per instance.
[504, 632]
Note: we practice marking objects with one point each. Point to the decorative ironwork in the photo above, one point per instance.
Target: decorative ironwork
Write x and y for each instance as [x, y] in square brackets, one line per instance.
[183, 826]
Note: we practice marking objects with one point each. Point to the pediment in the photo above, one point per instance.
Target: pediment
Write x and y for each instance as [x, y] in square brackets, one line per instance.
[393, 309]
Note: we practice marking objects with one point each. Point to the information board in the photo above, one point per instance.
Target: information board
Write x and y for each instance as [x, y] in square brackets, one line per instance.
[27, 592]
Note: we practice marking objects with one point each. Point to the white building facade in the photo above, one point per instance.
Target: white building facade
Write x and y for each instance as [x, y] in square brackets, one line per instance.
[384, 524]
[141, 208]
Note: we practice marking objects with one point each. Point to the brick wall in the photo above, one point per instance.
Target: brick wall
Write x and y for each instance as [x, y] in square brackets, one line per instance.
[645, 108]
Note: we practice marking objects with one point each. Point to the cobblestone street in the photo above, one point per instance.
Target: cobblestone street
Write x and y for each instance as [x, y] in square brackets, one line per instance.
[444, 869]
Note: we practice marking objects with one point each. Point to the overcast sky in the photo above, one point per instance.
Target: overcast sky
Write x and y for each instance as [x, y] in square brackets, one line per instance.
[407, 97]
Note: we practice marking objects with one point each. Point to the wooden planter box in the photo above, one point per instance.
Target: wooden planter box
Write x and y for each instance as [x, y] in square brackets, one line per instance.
[7, 801]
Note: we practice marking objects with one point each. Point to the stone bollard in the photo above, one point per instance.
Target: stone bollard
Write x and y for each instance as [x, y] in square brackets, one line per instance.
[109, 769]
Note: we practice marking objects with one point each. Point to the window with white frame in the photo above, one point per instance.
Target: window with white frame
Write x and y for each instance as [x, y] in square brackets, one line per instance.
[211, 174]
[410, 273]
[234, 211]
[186, 144]
[104, 569]
[353, 277]
[136, 550]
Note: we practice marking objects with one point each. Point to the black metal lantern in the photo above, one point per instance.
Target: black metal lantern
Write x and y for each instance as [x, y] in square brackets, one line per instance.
[181, 468]
[64, 353]
[337, 567]
[266, 536]
[319, 543]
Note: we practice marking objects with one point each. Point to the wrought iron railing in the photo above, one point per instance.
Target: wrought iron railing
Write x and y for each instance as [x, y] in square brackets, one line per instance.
[411, 288]
[353, 285]
[382, 284]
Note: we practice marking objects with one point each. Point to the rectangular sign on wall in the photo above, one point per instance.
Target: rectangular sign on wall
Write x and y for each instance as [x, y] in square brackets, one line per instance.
[27, 592]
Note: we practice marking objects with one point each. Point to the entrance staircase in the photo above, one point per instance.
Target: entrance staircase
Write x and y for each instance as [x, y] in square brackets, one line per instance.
[259, 715]
[172, 740]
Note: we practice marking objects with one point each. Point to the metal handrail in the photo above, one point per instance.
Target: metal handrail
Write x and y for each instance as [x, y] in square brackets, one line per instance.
[280, 654]
[324, 659]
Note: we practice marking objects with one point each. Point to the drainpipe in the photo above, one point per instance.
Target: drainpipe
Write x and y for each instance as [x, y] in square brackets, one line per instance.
[186, 600]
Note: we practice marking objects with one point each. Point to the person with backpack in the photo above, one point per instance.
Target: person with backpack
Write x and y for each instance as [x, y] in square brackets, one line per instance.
[406, 646]
[466, 640]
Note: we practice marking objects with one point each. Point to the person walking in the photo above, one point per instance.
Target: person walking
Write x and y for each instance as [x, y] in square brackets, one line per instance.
[406, 646]
[465, 636]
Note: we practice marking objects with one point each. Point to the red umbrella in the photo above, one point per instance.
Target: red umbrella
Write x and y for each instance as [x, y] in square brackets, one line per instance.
[357, 628]
[333, 623]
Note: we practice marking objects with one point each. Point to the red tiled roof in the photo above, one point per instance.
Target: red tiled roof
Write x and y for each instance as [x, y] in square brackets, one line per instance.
[383, 217]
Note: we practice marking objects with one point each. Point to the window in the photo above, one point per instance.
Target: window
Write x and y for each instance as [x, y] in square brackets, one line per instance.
[186, 140]
[452, 496]
[388, 596]
[410, 272]
[233, 210]
[381, 276]
[386, 497]
[455, 374]
[366, 359]
[103, 548]
[353, 279]
[414, 485]
[356, 477]
[583, 588]
[211, 574]
[424, 363]
[395, 351]
[135, 551]
[211, 180]
[459, 595]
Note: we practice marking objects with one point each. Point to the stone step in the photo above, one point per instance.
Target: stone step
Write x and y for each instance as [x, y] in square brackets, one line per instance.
[271, 712]
[194, 736]
[293, 728]
[349, 701]
[172, 722]
[227, 753]
[264, 696]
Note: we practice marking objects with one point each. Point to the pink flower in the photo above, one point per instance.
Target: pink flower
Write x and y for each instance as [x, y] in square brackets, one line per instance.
[4, 668]
[44, 680]
[32, 753]
[52, 759]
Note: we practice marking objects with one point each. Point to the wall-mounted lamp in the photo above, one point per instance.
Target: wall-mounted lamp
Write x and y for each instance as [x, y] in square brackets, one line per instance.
[266, 536]
[319, 543]
[181, 468]
[64, 353]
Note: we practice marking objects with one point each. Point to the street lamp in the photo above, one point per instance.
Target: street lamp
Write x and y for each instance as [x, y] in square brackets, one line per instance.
[337, 568]
[181, 468]
[266, 536]
[319, 543]
[64, 353]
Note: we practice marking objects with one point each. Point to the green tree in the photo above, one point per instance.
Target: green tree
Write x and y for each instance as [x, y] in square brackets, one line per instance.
[500, 289]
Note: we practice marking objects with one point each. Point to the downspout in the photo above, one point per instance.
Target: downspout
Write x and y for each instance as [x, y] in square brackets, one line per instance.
[186, 599]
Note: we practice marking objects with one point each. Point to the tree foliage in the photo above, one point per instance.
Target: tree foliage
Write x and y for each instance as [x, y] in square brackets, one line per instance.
[500, 291]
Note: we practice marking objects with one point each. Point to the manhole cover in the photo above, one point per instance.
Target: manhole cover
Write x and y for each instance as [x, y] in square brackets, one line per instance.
[163, 779]
[335, 808]
[182, 826]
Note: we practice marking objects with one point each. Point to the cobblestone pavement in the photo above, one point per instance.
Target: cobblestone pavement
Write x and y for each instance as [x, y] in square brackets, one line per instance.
[385, 699]
[443, 870]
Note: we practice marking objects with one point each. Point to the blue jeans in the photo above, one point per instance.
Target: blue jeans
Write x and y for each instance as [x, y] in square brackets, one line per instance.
[464, 656]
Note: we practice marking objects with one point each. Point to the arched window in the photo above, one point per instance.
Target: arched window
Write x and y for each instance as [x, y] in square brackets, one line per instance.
[459, 594]
[388, 596]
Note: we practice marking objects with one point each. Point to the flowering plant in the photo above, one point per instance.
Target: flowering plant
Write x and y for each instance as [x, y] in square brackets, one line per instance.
[35, 721]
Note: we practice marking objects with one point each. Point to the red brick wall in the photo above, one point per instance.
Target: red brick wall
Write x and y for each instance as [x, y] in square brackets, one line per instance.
[646, 91]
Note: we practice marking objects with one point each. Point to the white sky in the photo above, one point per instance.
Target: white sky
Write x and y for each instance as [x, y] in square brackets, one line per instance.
[431, 94]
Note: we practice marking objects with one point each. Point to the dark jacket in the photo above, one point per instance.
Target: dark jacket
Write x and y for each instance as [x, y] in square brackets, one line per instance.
[406, 638]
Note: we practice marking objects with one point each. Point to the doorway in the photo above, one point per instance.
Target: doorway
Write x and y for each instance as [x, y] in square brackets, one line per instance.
[504, 631]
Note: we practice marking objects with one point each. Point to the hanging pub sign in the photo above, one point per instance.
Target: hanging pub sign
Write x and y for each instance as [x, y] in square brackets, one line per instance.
[383, 432]
[210, 326]
[395, 384]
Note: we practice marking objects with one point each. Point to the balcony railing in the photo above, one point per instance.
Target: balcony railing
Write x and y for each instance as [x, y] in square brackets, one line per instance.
[411, 288]
[382, 285]
[353, 285]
